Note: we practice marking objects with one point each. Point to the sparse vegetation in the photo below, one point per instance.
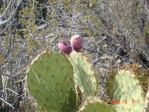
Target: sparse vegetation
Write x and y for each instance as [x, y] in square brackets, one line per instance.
[115, 33]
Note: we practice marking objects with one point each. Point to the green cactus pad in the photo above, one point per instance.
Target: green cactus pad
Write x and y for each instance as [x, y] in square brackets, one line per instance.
[143, 78]
[50, 82]
[94, 104]
[125, 92]
[140, 73]
[84, 75]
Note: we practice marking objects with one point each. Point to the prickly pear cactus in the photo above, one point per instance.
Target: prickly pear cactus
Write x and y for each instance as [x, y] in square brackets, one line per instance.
[50, 82]
[125, 92]
[84, 75]
[143, 79]
[94, 104]
[146, 104]
[140, 73]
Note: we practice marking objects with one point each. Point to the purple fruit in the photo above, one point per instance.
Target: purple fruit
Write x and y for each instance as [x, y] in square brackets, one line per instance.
[64, 47]
[76, 42]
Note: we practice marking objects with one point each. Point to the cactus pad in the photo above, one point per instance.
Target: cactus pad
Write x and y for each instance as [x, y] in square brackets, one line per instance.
[140, 73]
[126, 92]
[143, 78]
[50, 82]
[94, 104]
[84, 75]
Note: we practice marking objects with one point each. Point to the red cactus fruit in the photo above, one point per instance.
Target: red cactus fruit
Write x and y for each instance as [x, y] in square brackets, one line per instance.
[76, 42]
[64, 47]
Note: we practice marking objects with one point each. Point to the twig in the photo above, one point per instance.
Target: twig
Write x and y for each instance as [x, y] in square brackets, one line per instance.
[9, 90]
[7, 103]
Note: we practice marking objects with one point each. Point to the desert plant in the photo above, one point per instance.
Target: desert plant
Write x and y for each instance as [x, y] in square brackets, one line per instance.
[125, 92]
[95, 104]
[115, 31]
[50, 82]
[69, 83]
[84, 74]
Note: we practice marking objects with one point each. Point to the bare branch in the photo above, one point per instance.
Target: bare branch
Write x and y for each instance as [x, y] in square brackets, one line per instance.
[7, 103]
